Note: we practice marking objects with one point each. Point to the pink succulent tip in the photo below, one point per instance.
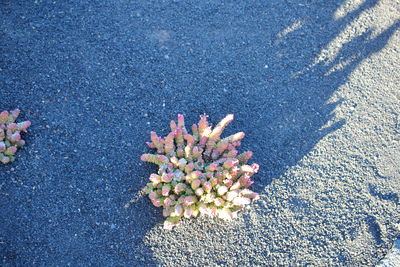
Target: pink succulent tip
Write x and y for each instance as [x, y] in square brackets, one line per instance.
[195, 184]
[240, 201]
[165, 190]
[12, 126]
[189, 200]
[11, 150]
[199, 191]
[167, 177]
[22, 126]
[255, 167]
[188, 212]
[3, 115]
[167, 202]
[15, 137]
[222, 190]
[153, 195]
[149, 144]
[177, 211]
[5, 160]
[166, 212]
[2, 146]
[15, 113]
[157, 202]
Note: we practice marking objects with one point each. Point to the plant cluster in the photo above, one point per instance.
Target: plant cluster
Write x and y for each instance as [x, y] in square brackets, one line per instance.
[199, 173]
[10, 135]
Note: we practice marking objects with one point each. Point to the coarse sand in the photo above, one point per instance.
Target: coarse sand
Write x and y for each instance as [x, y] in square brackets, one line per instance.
[314, 84]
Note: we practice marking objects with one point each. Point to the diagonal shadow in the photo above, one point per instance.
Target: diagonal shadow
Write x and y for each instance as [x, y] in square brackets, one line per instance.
[95, 78]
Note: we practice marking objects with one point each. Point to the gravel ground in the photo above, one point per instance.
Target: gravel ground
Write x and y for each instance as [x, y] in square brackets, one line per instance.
[392, 259]
[314, 84]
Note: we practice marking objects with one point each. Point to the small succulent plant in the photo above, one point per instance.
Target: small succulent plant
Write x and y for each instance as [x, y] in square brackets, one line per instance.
[199, 173]
[10, 135]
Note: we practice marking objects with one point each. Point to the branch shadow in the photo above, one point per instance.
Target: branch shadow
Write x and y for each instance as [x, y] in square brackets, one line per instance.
[263, 71]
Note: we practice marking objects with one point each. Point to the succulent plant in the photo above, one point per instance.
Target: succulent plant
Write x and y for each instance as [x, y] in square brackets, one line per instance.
[199, 173]
[10, 135]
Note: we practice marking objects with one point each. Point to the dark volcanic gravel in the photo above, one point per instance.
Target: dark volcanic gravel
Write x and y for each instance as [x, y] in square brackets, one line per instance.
[313, 84]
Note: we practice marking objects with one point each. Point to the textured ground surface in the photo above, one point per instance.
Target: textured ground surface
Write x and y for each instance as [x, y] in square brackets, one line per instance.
[392, 259]
[314, 84]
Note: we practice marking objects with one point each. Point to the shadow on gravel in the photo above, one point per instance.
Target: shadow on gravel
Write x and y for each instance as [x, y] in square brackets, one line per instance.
[95, 79]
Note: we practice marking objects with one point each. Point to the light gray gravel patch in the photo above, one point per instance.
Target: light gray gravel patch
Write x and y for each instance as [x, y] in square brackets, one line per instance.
[392, 259]
[339, 205]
